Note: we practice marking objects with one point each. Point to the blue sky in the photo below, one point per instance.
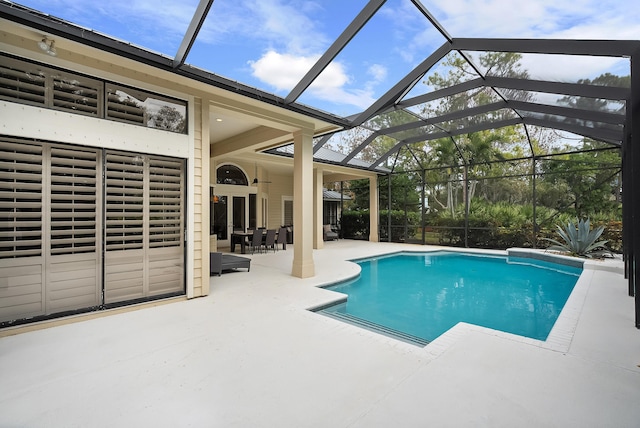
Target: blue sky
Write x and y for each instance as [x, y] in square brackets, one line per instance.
[270, 44]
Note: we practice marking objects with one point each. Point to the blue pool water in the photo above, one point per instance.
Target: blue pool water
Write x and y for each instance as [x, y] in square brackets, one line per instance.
[422, 295]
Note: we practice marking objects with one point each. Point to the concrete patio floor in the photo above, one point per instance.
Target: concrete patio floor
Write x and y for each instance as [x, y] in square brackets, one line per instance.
[251, 355]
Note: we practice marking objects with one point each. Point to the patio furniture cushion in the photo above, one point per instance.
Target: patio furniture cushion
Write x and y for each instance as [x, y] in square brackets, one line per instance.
[219, 262]
[328, 233]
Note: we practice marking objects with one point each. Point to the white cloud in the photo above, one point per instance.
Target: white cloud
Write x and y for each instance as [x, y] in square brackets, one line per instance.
[284, 71]
[152, 26]
[378, 72]
[547, 19]
[278, 24]
[582, 19]
[569, 68]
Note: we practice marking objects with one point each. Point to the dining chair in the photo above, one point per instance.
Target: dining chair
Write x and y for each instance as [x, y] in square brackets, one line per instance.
[256, 240]
[282, 238]
[270, 240]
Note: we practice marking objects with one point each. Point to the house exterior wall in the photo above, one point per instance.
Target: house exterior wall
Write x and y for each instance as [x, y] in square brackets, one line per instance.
[33, 122]
[281, 186]
[201, 199]
[26, 121]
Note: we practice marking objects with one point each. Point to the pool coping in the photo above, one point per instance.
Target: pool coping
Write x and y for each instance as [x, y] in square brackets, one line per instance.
[562, 332]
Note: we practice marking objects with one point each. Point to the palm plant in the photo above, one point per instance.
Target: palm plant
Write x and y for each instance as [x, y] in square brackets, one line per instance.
[579, 240]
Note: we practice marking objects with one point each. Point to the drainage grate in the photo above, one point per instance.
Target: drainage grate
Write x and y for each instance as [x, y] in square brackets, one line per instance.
[377, 328]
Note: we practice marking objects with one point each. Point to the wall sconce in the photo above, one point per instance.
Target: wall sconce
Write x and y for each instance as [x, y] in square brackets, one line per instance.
[48, 46]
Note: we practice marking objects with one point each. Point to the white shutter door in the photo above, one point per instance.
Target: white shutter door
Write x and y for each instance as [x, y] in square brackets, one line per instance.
[144, 227]
[73, 265]
[124, 203]
[21, 238]
[166, 226]
[51, 188]
[53, 200]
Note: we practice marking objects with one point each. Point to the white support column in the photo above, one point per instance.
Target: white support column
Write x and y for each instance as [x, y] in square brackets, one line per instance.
[303, 266]
[373, 209]
[318, 241]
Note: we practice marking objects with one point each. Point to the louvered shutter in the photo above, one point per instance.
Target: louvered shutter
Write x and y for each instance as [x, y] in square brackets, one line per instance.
[53, 199]
[144, 226]
[22, 81]
[32, 84]
[21, 237]
[124, 202]
[124, 106]
[76, 94]
[73, 263]
[166, 227]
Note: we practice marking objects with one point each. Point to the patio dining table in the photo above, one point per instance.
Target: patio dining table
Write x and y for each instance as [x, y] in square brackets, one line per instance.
[239, 237]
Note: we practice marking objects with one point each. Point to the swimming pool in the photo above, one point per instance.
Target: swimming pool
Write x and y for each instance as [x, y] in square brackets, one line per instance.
[419, 296]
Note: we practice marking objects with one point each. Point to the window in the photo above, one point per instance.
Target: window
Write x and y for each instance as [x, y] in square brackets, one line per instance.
[230, 174]
[142, 108]
[287, 211]
[23, 82]
[252, 211]
[35, 84]
[32, 84]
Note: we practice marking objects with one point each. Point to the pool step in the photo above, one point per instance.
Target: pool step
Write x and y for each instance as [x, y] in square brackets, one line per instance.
[377, 328]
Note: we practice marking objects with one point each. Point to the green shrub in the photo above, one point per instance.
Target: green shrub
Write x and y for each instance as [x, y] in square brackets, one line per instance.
[355, 224]
[497, 226]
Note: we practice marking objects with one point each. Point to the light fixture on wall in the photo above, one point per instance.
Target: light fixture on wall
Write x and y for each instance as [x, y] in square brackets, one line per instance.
[255, 180]
[48, 46]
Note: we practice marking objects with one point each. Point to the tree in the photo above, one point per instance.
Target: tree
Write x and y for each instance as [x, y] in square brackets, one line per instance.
[591, 179]
[597, 104]
[168, 118]
[477, 150]
[501, 64]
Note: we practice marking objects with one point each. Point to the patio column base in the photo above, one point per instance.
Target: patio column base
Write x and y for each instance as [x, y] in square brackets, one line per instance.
[303, 269]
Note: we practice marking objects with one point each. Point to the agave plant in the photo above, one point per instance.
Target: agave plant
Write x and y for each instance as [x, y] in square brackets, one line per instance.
[579, 240]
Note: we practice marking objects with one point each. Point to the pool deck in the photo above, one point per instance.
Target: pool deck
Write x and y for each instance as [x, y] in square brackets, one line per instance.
[251, 355]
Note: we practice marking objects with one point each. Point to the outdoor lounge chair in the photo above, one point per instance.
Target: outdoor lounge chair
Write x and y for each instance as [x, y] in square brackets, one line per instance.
[328, 233]
[219, 262]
